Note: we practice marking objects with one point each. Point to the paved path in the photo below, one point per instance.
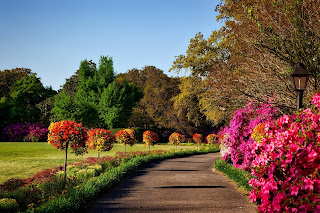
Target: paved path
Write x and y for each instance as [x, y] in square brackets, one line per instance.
[186, 184]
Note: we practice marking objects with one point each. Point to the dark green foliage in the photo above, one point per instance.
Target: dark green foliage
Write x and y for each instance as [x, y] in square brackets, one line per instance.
[94, 98]
[8, 205]
[25, 94]
[64, 106]
[117, 101]
[5, 111]
[9, 77]
[239, 176]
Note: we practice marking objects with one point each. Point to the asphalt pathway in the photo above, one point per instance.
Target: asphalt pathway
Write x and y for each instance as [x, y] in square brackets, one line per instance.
[186, 184]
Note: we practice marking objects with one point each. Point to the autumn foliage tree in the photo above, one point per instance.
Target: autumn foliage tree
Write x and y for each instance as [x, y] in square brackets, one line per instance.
[252, 56]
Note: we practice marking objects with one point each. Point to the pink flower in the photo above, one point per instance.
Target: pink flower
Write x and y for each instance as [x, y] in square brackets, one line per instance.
[316, 100]
[253, 196]
[308, 184]
[283, 120]
[312, 155]
[294, 190]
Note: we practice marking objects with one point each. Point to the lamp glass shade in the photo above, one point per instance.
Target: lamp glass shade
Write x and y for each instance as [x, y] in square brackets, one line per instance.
[300, 82]
[300, 77]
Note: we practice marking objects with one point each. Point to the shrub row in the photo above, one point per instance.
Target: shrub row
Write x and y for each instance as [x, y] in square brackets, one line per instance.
[284, 157]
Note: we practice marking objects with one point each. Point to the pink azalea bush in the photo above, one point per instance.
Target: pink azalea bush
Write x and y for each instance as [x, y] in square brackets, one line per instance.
[25, 132]
[287, 163]
[235, 139]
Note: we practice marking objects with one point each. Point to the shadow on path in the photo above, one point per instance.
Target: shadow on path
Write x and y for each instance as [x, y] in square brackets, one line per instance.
[186, 184]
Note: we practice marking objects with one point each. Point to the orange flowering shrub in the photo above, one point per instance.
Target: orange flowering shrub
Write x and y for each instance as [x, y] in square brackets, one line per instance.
[126, 136]
[176, 138]
[150, 138]
[100, 139]
[212, 139]
[197, 138]
[68, 134]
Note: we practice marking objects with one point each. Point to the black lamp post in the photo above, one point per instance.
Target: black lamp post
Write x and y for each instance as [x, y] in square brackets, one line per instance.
[300, 78]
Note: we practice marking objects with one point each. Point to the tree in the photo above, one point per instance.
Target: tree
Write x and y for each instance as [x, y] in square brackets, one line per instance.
[67, 134]
[188, 100]
[252, 55]
[116, 103]
[94, 98]
[9, 77]
[270, 37]
[100, 140]
[26, 94]
[155, 109]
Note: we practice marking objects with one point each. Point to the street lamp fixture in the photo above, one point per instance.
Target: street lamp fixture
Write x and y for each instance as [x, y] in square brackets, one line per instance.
[300, 78]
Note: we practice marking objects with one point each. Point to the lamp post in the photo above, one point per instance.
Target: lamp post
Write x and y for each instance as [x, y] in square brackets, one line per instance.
[300, 78]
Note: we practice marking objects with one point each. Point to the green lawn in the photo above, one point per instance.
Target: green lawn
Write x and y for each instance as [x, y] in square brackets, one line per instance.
[22, 159]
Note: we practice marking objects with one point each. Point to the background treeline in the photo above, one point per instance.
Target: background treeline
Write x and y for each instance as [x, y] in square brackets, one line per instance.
[250, 58]
[97, 97]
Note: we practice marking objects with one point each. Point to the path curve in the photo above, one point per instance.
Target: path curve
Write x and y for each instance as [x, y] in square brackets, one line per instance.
[187, 184]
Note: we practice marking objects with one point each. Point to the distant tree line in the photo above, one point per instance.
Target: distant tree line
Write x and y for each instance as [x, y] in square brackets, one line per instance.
[145, 98]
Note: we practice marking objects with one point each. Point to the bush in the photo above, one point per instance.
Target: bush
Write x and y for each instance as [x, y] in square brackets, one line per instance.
[150, 138]
[8, 205]
[126, 136]
[68, 134]
[25, 132]
[176, 138]
[235, 140]
[212, 139]
[287, 163]
[197, 138]
[100, 139]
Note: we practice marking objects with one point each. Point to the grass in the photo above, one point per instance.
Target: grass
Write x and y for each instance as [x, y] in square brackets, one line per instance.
[238, 176]
[23, 159]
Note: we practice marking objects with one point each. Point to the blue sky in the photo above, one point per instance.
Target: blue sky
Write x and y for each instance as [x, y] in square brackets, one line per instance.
[52, 37]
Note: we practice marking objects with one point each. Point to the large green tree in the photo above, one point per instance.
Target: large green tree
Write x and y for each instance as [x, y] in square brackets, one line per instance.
[26, 94]
[117, 101]
[84, 93]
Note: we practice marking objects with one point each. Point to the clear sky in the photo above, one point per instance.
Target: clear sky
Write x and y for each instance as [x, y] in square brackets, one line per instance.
[52, 37]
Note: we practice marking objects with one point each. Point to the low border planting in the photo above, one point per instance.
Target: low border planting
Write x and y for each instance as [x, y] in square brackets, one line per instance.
[81, 197]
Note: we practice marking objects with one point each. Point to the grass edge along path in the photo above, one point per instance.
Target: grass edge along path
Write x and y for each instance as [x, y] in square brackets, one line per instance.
[83, 196]
[238, 176]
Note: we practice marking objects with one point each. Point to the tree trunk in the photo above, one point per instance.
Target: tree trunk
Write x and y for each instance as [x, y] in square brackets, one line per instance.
[65, 166]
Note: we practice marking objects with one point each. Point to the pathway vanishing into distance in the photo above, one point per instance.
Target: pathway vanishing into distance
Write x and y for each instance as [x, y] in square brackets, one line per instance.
[187, 184]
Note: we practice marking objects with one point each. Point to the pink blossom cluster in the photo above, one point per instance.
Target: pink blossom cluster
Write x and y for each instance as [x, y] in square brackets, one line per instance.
[235, 139]
[287, 163]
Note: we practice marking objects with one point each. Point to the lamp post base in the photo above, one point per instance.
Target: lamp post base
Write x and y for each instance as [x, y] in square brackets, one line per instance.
[299, 99]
